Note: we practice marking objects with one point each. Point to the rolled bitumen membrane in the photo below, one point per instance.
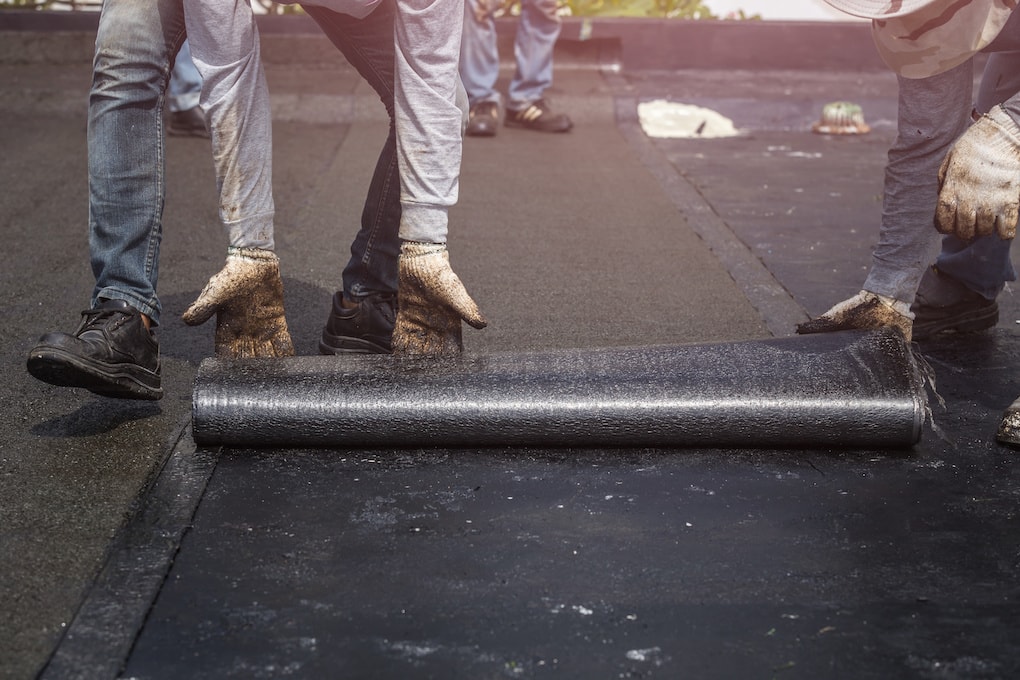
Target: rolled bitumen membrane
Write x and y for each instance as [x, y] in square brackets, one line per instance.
[847, 389]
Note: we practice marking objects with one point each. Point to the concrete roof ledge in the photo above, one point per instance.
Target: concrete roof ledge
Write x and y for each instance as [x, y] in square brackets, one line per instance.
[627, 43]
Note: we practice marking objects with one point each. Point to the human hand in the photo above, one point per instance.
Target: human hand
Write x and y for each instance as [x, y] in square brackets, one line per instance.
[979, 180]
[431, 303]
[247, 298]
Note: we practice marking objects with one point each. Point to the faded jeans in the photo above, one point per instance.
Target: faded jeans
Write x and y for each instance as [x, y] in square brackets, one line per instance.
[136, 44]
[537, 30]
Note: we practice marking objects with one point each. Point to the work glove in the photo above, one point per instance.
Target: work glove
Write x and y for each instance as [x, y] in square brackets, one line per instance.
[431, 303]
[979, 180]
[864, 311]
[247, 298]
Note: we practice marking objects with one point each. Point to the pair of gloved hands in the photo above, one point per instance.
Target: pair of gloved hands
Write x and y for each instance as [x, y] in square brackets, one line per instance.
[247, 298]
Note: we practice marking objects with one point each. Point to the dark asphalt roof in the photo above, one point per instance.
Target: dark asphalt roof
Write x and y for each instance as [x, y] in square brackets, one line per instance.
[122, 544]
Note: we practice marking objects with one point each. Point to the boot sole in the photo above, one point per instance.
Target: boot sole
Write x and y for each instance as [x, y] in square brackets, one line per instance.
[970, 322]
[527, 126]
[480, 132]
[333, 345]
[119, 381]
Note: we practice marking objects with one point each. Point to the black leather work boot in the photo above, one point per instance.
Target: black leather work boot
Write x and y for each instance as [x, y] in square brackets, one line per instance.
[112, 354]
[365, 329]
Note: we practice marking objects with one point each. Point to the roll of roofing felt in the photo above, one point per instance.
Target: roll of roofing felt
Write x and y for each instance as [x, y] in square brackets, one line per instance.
[849, 389]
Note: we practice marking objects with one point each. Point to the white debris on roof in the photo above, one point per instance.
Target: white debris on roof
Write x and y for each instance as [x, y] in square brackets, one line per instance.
[662, 118]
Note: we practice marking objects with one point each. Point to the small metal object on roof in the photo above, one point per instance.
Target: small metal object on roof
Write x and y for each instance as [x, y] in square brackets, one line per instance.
[841, 118]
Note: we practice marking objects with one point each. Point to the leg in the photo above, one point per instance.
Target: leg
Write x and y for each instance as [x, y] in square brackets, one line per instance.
[362, 314]
[933, 112]
[185, 82]
[429, 118]
[135, 46]
[368, 45]
[428, 115]
[537, 31]
[246, 296]
[479, 68]
[479, 55]
[186, 117]
[113, 352]
[225, 48]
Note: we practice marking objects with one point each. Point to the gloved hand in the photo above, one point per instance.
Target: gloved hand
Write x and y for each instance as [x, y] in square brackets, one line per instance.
[863, 311]
[979, 180]
[431, 303]
[247, 298]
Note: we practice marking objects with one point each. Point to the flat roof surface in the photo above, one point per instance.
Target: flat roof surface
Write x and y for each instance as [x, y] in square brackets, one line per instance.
[129, 551]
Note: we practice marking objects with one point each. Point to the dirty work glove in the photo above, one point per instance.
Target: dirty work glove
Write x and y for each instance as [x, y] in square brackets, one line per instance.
[979, 181]
[247, 298]
[864, 311]
[431, 303]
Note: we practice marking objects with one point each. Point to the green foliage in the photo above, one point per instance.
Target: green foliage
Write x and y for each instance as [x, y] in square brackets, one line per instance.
[271, 7]
[680, 9]
[26, 4]
[72, 5]
[659, 9]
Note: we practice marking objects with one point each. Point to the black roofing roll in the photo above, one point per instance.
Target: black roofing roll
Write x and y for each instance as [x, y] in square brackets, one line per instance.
[849, 389]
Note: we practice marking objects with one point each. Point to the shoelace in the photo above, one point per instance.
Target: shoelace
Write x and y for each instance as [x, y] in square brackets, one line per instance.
[93, 317]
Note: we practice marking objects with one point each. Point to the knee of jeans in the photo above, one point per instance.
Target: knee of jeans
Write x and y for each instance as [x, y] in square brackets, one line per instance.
[128, 70]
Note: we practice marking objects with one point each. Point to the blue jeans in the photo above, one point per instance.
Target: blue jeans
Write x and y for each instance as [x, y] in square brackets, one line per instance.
[368, 46]
[185, 82]
[136, 44]
[125, 145]
[537, 30]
